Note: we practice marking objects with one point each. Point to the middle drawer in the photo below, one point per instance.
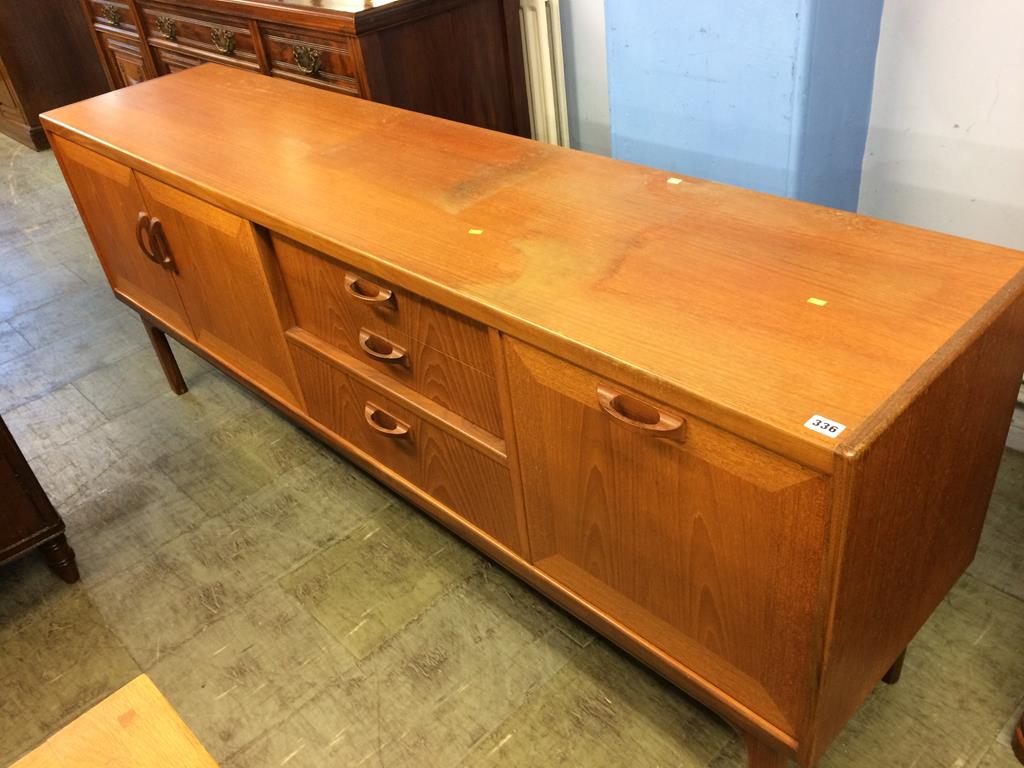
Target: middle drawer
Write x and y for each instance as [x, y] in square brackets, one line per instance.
[436, 352]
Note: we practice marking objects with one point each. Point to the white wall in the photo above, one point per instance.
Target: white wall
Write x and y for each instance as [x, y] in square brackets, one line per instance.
[945, 146]
[586, 74]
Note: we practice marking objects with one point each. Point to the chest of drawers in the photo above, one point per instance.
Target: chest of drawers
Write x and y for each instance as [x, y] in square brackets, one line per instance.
[458, 59]
[750, 440]
[45, 61]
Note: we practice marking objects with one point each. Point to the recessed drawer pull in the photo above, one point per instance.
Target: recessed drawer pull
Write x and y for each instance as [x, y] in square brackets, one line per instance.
[640, 416]
[383, 422]
[380, 348]
[363, 290]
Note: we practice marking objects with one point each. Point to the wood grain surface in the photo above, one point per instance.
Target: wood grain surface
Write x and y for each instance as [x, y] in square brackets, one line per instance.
[694, 291]
[135, 727]
[710, 547]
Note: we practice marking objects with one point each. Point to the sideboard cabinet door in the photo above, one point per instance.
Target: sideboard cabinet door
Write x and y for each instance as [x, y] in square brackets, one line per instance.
[701, 543]
[110, 202]
[226, 281]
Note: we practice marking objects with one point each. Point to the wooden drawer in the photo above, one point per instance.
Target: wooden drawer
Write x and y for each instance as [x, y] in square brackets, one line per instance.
[706, 545]
[208, 36]
[113, 14]
[324, 61]
[474, 486]
[434, 351]
[171, 60]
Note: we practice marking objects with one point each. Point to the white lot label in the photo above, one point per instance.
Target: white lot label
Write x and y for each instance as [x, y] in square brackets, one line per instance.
[825, 426]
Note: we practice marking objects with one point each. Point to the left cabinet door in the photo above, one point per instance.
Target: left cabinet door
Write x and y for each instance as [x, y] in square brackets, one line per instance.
[110, 202]
[228, 285]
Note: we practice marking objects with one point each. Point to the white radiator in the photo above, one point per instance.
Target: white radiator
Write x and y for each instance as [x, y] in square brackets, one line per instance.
[545, 70]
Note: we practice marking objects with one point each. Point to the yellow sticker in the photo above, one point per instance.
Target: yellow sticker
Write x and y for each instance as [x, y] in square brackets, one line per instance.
[817, 302]
[675, 180]
[476, 231]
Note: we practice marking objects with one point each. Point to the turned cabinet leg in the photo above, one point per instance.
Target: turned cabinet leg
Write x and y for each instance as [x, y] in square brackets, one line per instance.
[60, 557]
[893, 675]
[760, 755]
[166, 357]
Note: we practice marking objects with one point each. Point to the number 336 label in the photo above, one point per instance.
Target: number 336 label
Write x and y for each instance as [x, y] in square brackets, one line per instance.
[825, 426]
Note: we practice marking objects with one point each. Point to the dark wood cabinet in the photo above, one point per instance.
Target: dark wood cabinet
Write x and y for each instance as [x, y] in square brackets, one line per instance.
[457, 59]
[45, 62]
[28, 520]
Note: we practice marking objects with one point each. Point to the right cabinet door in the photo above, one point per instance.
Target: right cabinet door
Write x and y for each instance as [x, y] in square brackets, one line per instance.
[701, 543]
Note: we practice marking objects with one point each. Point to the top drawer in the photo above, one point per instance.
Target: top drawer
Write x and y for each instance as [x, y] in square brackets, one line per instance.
[312, 59]
[200, 33]
[414, 342]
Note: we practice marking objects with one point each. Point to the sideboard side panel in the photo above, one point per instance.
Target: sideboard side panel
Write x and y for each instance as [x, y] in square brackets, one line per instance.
[918, 491]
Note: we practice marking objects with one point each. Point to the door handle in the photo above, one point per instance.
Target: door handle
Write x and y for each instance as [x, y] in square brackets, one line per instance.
[383, 422]
[640, 416]
[161, 249]
[142, 237]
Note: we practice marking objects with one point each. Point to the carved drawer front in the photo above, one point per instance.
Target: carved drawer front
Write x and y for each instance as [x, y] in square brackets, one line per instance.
[323, 61]
[438, 353]
[210, 37]
[705, 545]
[113, 14]
[125, 60]
[471, 484]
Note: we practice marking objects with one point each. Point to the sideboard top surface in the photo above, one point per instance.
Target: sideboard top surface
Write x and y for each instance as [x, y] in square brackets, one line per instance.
[699, 287]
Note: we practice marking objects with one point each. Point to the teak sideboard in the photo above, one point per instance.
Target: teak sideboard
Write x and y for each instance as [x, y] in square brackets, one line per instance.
[750, 440]
[457, 59]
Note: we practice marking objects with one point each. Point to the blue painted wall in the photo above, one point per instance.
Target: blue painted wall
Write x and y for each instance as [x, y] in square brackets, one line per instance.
[773, 95]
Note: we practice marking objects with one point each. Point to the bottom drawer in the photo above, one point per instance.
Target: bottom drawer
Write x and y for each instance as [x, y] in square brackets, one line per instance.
[473, 486]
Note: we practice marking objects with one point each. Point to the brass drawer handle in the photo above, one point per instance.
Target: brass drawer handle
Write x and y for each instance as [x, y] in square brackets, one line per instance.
[640, 416]
[380, 348]
[383, 422]
[307, 59]
[112, 14]
[364, 290]
[223, 40]
[168, 27]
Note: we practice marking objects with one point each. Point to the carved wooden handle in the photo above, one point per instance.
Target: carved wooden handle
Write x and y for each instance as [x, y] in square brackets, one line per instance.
[160, 246]
[640, 416]
[380, 348]
[383, 422]
[363, 290]
[141, 237]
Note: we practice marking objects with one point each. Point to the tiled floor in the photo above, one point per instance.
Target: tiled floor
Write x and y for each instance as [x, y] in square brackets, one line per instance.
[295, 613]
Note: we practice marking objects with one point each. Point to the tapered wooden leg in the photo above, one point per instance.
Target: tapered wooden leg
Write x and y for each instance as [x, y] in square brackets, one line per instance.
[893, 675]
[760, 755]
[166, 357]
[60, 557]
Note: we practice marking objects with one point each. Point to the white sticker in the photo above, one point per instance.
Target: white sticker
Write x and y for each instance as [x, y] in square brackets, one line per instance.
[827, 427]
